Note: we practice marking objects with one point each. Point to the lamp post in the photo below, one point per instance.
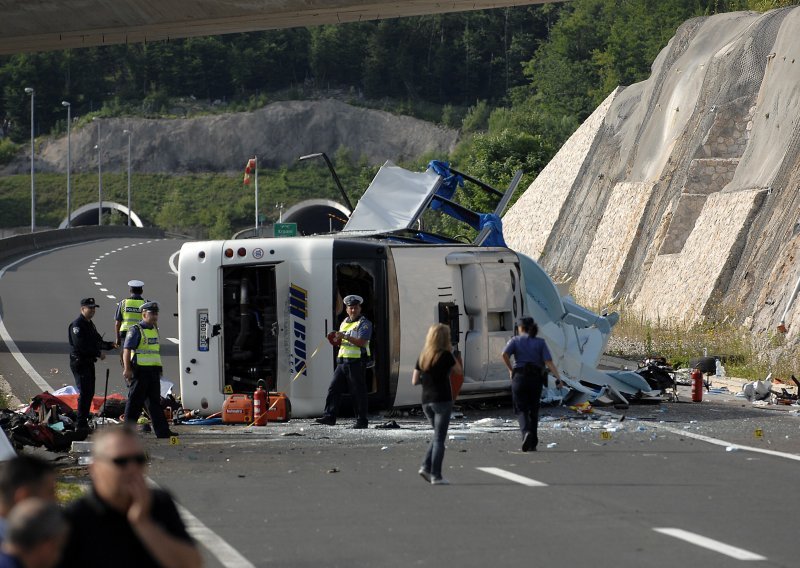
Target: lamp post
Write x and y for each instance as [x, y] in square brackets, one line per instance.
[129, 133]
[32, 93]
[69, 163]
[99, 175]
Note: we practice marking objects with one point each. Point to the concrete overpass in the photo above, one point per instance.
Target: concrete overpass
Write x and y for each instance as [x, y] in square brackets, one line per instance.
[44, 25]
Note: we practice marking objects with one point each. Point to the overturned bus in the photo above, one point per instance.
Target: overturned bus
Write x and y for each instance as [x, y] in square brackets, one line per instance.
[260, 309]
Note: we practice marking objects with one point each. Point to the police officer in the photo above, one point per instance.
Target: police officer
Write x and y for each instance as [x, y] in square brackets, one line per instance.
[85, 348]
[528, 375]
[351, 361]
[129, 311]
[141, 360]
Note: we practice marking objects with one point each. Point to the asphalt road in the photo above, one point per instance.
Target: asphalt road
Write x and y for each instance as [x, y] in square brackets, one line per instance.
[626, 493]
[41, 295]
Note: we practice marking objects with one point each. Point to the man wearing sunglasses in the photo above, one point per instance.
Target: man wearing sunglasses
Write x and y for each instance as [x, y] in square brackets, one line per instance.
[121, 513]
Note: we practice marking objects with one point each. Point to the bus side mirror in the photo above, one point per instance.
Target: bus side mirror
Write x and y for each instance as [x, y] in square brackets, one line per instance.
[215, 329]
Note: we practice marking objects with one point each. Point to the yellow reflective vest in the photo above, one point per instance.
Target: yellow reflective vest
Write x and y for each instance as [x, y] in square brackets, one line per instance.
[349, 350]
[131, 311]
[147, 353]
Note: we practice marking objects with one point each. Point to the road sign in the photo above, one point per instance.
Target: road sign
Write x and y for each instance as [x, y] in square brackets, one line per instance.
[285, 230]
[262, 217]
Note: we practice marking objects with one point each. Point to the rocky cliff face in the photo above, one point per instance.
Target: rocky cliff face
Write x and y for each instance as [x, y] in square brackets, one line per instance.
[680, 194]
[278, 134]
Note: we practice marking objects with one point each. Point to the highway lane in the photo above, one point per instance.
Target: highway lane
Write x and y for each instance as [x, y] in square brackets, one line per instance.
[302, 495]
[40, 296]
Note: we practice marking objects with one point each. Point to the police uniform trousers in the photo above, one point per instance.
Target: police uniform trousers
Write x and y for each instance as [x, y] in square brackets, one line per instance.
[350, 374]
[83, 371]
[145, 391]
[526, 392]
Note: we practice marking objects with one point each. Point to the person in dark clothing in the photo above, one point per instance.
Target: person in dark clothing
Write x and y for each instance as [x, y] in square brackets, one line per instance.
[86, 347]
[351, 362]
[122, 522]
[141, 360]
[433, 370]
[528, 375]
[21, 478]
[36, 535]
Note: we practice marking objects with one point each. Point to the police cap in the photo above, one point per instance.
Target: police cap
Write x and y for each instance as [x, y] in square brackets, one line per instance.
[135, 283]
[89, 303]
[150, 307]
[353, 299]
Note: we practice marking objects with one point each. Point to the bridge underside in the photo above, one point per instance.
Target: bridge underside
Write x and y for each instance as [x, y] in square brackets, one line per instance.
[44, 25]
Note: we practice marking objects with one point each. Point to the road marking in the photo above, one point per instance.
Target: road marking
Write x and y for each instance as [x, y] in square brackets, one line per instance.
[513, 476]
[104, 289]
[110, 296]
[718, 442]
[215, 544]
[98, 283]
[172, 262]
[12, 347]
[173, 340]
[93, 277]
[711, 544]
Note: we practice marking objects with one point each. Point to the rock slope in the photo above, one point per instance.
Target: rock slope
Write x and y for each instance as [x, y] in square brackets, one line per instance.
[679, 195]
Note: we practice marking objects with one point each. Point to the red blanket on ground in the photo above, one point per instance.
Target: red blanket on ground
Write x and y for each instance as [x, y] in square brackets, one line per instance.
[72, 401]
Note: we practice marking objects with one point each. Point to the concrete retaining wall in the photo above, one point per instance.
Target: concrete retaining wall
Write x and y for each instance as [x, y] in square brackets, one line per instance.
[20, 245]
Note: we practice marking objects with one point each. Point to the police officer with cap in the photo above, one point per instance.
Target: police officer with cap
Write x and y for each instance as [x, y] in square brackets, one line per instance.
[129, 311]
[351, 362]
[86, 347]
[141, 361]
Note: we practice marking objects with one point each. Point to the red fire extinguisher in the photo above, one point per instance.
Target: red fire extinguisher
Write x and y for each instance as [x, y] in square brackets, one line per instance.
[260, 405]
[697, 386]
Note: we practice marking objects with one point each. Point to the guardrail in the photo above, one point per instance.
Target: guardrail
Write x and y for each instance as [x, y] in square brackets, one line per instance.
[19, 245]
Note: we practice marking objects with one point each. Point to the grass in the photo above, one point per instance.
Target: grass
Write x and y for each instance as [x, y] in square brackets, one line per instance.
[743, 354]
[68, 491]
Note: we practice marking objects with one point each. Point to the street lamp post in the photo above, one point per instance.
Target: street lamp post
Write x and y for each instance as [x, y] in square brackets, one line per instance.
[129, 133]
[69, 163]
[99, 175]
[32, 93]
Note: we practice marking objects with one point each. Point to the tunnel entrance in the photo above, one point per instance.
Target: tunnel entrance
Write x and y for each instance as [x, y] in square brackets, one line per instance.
[87, 215]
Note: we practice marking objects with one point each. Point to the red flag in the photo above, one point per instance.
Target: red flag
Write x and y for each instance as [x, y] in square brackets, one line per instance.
[249, 168]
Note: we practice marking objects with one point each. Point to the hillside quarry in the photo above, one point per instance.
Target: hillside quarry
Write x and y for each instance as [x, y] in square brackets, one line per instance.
[278, 134]
[679, 195]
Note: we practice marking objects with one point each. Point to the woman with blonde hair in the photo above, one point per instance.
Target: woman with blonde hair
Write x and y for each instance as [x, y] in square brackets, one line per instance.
[432, 371]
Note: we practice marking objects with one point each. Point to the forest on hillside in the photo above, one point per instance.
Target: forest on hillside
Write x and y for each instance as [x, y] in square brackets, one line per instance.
[517, 81]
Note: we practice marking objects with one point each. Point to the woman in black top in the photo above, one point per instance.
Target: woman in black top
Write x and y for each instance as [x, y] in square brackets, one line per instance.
[432, 370]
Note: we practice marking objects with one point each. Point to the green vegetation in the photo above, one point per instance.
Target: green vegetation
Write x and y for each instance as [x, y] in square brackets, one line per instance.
[201, 205]
[744, 355]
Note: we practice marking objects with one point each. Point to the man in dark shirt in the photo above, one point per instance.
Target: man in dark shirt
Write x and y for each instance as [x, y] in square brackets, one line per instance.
[22, 477]
[86, 345]
[122, 522]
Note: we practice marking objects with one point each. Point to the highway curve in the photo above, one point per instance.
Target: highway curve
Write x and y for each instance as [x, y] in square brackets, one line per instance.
[40, 295]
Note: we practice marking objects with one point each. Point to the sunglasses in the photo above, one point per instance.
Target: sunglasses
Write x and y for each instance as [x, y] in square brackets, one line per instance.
[122, 461]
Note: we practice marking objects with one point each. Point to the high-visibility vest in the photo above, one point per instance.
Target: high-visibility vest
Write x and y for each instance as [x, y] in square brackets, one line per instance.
[349, 350]
[147, 353]
[131, 311]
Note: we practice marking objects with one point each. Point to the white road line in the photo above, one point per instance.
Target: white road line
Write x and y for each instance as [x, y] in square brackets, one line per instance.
[12, 347]
[98, 283]
[718, 442]
[104, 289]
[711, 544]
[513, 476]
[173, 340]
[172, 262]
[111, 297]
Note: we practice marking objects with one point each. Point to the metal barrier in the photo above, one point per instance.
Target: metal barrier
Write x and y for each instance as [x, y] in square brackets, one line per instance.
[19, 245]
